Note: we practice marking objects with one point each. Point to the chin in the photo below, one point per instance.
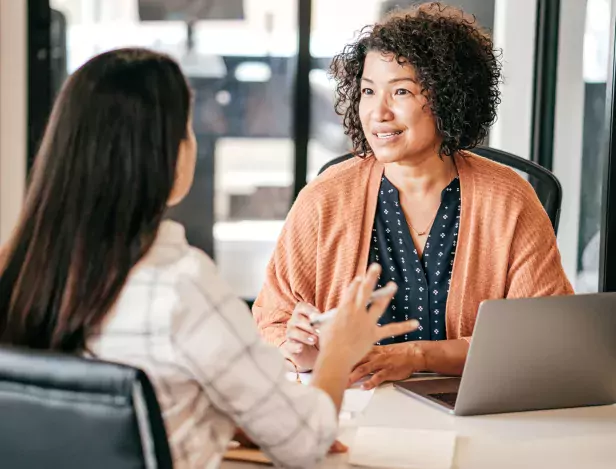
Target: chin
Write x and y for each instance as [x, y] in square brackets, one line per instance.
[389, 155]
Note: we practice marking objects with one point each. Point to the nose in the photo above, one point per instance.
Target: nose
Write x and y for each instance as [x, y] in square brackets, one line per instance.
[382, 110]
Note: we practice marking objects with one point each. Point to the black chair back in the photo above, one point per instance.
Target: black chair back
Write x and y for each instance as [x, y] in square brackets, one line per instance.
[59, 411]
[546, 185]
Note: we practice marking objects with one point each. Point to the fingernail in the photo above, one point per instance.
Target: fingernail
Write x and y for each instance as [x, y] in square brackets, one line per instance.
[318, 331]
[311, 340]
[415, 323]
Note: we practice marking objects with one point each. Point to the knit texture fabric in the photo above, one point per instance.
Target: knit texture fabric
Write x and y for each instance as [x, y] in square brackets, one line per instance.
[506, 244]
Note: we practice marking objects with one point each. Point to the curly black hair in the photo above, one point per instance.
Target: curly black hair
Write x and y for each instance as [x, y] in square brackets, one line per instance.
[456, 64]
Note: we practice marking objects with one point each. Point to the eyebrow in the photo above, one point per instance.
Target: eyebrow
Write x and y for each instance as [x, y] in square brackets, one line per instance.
[393, 80]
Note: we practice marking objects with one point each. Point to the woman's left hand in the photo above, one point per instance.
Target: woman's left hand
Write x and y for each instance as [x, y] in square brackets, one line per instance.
[388, 363]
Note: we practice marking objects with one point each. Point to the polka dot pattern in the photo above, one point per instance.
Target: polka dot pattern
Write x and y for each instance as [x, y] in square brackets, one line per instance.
[423, 283]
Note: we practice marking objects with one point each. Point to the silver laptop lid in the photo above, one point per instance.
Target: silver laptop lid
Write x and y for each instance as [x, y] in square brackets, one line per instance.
[541, 353]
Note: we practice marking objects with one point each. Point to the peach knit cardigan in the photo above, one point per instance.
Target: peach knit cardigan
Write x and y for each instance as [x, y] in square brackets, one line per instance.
[506, 244]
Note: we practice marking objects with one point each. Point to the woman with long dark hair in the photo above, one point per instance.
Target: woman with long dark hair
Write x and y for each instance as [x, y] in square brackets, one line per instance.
[93, 269]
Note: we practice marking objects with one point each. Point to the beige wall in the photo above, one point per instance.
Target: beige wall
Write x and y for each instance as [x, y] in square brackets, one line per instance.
[13, 118]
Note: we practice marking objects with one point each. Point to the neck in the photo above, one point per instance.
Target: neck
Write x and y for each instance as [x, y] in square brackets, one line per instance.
[420, 176]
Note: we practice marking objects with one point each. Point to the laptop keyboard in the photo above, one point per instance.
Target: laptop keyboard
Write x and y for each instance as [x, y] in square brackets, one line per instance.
[446, 397]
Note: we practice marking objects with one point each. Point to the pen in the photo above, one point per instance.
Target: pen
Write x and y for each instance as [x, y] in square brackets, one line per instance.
[387, 290]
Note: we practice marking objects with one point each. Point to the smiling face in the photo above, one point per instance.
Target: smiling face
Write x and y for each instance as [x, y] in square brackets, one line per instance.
[394, 114]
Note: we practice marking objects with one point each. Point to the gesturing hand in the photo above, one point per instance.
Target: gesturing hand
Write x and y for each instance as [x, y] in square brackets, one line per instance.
[354, 329]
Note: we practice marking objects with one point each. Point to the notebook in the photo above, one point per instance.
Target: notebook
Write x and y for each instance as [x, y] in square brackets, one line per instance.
[401, 448]
[247, 455]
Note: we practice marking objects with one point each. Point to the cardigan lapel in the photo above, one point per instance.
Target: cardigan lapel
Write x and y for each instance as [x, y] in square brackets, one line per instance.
[370, 192]
[465, 245]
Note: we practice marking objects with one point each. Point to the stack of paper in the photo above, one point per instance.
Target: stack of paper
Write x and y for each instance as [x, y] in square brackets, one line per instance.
[402, 449]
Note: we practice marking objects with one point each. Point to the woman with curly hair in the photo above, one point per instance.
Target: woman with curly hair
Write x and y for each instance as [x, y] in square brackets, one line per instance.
[417, 92]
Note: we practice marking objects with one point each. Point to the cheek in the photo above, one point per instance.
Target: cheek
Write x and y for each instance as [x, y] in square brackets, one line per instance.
[428, 123]
[421, 119]
[193, 149]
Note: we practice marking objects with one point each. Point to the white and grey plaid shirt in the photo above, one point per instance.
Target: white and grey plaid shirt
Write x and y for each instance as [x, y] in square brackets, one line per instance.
[178, 321]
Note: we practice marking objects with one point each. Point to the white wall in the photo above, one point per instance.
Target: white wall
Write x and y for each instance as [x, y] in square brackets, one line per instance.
[514, 33]
[568, 127]
[13, 123]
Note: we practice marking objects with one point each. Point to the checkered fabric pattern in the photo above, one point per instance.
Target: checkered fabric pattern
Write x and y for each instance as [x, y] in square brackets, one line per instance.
[179, 321]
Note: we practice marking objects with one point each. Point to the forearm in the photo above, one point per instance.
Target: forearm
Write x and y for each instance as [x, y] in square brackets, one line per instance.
[331, 375]
[444, 357]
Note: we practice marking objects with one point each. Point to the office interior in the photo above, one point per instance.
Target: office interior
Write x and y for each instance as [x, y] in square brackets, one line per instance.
[261, 137]
[264, 117]
[264, 114]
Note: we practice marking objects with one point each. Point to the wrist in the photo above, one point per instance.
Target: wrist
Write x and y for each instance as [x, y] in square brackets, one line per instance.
[292, 362]
[335, 359]
[418, 355]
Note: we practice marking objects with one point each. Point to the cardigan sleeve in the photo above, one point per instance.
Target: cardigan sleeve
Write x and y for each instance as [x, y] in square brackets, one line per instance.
[291, 273]
[535, 267]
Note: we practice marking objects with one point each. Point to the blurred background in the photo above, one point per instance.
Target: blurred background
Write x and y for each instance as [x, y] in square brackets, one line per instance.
[264, 115]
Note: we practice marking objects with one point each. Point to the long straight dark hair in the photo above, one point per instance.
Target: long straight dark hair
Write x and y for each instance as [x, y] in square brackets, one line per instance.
[99, 188]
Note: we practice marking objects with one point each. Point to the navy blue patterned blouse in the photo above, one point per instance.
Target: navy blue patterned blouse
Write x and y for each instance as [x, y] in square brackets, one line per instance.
[423, 284]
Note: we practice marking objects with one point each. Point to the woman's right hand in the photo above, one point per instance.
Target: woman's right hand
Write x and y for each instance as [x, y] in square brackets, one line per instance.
[352, 333]
[302, 341]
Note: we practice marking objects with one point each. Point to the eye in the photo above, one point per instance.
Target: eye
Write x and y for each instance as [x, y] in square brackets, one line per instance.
[367, 91]
[402, 92]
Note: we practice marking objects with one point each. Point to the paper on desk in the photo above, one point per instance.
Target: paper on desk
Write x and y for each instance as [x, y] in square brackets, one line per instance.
[402, 448]
[355, 399]
[596, 451]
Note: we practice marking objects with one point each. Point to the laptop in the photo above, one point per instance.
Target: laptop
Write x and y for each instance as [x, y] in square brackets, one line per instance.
[532, 354]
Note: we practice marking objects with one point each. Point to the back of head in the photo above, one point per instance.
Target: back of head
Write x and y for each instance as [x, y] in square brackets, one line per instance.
[99, 189]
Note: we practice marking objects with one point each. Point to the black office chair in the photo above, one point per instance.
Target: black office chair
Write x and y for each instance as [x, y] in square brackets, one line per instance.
[546, 185]
[59, 411]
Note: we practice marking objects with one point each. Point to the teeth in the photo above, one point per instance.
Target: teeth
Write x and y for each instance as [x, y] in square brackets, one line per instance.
[387, 135]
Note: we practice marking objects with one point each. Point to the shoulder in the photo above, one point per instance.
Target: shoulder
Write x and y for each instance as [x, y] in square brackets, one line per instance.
[496, 182]
[177, 265]
[197, 279]
[196, 292]
[336, 181]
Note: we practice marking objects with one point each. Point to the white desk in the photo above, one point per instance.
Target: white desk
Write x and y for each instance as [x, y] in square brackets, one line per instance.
[583, 438]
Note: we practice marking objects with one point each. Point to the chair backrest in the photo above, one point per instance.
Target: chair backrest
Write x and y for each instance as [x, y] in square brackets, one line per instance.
[71, 412]
[546, 185]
